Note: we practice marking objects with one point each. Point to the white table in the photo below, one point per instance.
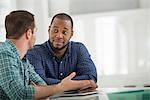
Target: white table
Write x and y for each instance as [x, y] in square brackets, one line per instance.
[98, 95]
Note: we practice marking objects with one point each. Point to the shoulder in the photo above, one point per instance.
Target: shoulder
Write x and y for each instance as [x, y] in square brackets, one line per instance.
[39, 48]
[38, 52]
[5, 54]
[78, 47]
[6, 51]
[7, 57]
[77, 44]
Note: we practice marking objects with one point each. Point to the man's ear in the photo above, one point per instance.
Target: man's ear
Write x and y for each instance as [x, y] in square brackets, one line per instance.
[72, 33]
[28, 33]
[49, 29]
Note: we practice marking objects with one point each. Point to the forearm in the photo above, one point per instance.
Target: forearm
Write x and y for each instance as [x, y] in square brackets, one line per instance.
[51, 81]
[85, 77]
[44, 91]
[82, 77]
[66, 84]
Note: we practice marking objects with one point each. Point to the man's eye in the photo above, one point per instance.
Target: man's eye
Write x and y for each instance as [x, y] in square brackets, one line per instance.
[65, 33]
[55, 31]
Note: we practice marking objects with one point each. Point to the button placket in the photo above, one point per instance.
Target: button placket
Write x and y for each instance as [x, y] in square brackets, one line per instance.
[61, 73]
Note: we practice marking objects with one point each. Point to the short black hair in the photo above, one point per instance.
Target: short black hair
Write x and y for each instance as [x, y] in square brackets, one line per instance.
[63, 16]
[18, 22]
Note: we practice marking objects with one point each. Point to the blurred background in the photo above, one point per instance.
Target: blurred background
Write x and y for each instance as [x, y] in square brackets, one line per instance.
[116, 33]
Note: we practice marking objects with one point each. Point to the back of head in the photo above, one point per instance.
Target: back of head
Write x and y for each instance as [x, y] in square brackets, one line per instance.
[18, 22]
[63, 16]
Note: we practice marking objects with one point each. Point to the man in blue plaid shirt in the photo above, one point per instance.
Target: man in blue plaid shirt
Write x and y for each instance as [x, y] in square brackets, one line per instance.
[18, 80]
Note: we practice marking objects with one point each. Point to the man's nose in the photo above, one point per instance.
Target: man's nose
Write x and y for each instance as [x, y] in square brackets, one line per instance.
[59, 35]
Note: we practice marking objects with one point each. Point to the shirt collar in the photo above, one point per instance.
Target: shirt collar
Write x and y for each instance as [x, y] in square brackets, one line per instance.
[12, 47]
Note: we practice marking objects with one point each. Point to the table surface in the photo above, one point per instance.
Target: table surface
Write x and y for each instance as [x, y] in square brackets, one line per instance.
[107, 94]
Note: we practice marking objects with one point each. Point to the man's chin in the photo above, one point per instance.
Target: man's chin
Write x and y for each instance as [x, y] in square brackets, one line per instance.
[57, 48]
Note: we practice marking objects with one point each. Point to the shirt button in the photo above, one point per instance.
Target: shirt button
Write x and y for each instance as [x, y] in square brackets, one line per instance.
[53, 57]
[61, 74]
[61, 62]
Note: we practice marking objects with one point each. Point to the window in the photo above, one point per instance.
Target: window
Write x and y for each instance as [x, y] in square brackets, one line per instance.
[117, 41]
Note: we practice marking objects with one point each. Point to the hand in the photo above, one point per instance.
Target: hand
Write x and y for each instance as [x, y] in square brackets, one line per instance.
[68, 84]
[91, 86]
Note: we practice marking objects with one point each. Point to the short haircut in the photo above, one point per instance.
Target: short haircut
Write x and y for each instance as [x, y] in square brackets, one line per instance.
[63, 16]
[18, 22]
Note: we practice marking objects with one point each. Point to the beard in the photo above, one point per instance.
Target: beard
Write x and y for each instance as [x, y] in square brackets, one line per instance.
[58, 49]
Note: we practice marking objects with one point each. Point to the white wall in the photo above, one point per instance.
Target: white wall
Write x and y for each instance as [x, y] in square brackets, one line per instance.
[90, 6]
[5, 7]
[118, 43]
[93, 6]
[56, 7]
[144, 3]
[40, 10]
[37, 7]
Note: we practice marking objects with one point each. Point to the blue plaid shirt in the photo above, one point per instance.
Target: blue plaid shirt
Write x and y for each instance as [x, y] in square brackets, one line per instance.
[16, 74]
[53, 70]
